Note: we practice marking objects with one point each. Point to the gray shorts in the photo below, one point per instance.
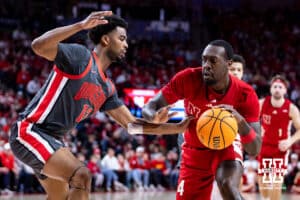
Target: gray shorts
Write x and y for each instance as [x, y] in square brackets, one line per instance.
[32, 145]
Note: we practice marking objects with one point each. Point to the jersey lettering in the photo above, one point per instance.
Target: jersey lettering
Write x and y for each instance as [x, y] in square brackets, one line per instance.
[193, 110]
[93, 93]
[266, 119]
[85, 112]
[180, 188]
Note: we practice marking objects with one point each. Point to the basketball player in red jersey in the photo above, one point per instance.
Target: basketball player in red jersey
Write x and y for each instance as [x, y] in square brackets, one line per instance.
[201, 88]
[236, 68]
[76, 88]
[276, 113]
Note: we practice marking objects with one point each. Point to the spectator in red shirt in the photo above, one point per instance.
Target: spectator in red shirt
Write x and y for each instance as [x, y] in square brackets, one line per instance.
[140, 169]
[95, 170]
[23, 77]
[7, 167]
[159, 171]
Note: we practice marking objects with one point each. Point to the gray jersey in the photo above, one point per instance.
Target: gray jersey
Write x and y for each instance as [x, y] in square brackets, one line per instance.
[74, 90]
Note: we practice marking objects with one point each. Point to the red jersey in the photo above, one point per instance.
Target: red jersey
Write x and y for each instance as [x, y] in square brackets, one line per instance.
[189, 86]
[7, 160]
[275, 121]
[139, 163]
[159, 164]
[93, 167]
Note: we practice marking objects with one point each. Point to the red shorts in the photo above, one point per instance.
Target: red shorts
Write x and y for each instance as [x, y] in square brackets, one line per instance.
[198, 168]
[271, 157]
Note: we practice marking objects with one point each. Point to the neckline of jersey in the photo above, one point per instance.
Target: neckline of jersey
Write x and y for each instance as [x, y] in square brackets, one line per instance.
[102, 74]
[218, 97]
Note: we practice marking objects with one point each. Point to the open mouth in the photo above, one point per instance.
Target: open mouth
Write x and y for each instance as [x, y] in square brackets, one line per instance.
[207, 75]
[123, 54]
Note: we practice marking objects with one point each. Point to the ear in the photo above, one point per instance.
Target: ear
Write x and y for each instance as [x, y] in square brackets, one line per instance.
[285, 91]
[105, 40]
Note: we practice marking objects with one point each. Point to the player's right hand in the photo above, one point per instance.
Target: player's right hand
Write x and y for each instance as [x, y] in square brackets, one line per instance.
[163, 115]
[95, 19]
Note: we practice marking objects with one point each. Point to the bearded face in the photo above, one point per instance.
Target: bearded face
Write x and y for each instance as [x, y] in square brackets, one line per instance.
[278, 90]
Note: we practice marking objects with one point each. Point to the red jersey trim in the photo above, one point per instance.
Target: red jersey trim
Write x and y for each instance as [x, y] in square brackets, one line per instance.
[43, 104]
[35, 145]
[99, 66]
[79, 76]
[112, 87]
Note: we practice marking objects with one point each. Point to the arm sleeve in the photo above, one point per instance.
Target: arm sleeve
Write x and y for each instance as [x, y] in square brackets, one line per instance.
[249, 109]
[72, 58]
[111, 103]
[174, 90]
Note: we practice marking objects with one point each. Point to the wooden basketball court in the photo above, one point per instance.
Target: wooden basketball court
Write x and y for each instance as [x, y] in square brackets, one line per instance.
[138, 196]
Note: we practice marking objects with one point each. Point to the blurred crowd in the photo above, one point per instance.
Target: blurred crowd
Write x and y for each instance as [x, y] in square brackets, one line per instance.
[122, 162]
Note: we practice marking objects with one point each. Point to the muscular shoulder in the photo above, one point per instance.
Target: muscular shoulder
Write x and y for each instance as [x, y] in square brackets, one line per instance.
[72, 58]
[190, 71]
[242, 90]
[183, 85]
[241, 85]
[261, 103]
[294, 111]
[75, 51]
[189, 75]
[245, 95]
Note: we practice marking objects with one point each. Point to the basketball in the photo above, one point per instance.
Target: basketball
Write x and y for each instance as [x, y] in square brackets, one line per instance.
[216, 128]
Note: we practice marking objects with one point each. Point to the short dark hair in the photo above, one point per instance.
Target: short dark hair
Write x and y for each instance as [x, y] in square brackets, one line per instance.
[240, 59]
[222, 43]
[281, 79]
[97, 32]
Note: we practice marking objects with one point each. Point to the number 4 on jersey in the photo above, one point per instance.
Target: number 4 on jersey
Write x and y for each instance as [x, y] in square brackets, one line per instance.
[180, 188]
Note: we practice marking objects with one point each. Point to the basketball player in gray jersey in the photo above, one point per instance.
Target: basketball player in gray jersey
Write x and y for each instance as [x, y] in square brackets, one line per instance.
[76, 88]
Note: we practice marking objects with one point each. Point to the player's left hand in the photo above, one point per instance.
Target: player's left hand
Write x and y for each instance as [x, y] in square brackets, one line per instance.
[233, 111]
[284, 145]
[163, 115]
[95, 19]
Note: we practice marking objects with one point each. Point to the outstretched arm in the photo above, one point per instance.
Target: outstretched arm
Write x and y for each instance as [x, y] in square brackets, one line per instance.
[284, 145]
[140, 126]
[157, 110]
[46, 45]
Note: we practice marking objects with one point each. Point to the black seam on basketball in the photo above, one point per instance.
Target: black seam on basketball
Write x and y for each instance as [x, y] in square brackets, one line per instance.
[198, 130]
[222, 132]
[213, 117]
[222, 121]
[213, 126]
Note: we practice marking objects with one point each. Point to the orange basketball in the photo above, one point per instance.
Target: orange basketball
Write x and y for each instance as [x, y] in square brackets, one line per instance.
[216, 128]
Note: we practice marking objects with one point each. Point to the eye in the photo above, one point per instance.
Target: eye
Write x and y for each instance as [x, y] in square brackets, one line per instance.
[213, 60]
[123, 38]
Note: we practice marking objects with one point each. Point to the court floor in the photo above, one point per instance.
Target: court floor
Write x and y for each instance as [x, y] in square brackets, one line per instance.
[138, 196]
